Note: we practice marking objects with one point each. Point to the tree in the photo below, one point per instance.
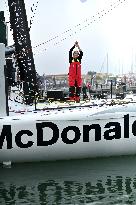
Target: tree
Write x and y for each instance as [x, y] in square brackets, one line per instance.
[91, 73]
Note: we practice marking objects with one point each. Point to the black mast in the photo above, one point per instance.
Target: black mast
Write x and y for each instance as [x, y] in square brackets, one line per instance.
[23, 48]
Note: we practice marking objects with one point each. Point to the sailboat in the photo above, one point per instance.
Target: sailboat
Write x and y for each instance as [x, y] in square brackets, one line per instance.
[84, 131]
[67, 133]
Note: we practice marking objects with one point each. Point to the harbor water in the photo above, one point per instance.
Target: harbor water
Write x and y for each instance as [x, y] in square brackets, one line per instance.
[101, 181]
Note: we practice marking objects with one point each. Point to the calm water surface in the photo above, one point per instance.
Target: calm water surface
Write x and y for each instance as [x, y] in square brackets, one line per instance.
[91, 181]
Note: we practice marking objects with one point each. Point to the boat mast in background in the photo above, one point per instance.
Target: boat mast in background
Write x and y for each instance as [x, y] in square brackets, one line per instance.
[107, 66]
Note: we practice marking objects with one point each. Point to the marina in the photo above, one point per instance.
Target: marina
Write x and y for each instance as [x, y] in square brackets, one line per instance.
[67, 102]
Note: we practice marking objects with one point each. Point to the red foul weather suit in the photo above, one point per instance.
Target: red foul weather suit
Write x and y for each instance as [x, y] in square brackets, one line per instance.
[75, 80]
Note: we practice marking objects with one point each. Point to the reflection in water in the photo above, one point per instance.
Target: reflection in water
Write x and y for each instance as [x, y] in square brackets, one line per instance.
[95, 181]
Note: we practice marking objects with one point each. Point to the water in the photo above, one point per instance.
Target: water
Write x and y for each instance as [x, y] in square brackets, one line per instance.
[102, 181]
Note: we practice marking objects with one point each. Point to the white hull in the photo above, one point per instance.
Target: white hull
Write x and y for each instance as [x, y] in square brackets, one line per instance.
[78, 118]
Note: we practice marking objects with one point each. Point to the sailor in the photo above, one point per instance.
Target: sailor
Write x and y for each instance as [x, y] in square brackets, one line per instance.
[75, 81]
[84, 90]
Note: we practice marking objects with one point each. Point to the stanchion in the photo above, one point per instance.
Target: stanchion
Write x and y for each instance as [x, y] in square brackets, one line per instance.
[3, 85]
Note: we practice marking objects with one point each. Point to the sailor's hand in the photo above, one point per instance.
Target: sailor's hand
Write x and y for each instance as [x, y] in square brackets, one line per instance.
[76, 43]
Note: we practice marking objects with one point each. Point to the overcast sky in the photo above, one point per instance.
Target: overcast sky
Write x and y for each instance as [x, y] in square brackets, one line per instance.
[114, 33]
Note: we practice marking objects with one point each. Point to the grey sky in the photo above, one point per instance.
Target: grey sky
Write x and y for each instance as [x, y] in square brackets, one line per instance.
[114, 34]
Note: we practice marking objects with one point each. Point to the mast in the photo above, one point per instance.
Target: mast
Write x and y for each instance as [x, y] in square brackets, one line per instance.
[107, 66]
[122, 69]
[23, 48]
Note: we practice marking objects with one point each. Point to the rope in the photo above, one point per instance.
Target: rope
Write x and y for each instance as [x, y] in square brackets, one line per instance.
[79, 27]
[88, 22]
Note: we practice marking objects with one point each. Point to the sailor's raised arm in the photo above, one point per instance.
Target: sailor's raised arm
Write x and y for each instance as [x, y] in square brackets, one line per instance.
[70, 54]
[80, 50]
